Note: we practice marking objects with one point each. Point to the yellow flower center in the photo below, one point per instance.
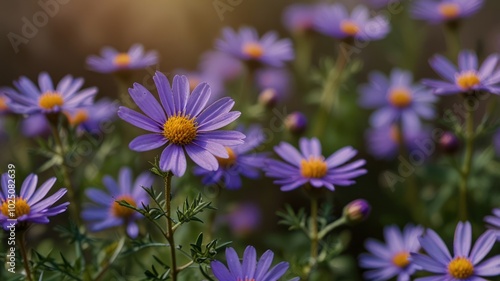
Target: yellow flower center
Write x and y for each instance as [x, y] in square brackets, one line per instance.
[400, 97]
[461, 268]
[228, 162]
[49, 100]
[467, 80]
[401, 259]
[253, 50]
[180, 130]
[3, 104]
[120, 211]
[395, 134]
[314, 167]
[21, 208]
[122, 60]
[78, 118]
[449, 10]
[349, 27]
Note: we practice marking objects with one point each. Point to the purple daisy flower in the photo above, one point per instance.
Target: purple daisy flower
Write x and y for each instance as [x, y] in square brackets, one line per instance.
[384, 142]
[182, 123]
[112, 61]
[93, 118]
[309, 166]
[299, 18]
[494, 222]
[242, 161]
[35, 125]
[335, 21]
[468, 77]
[247, 46]
[396, 99]
[465, 264]
[105, 212]
[445, 10]
[30, 205]
[393, 258]
[29, 99]
[250, 268]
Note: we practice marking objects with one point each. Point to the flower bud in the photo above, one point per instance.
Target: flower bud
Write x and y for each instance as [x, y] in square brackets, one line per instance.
[296, 123]
[268, 97]
[449, 143]
[357, 211]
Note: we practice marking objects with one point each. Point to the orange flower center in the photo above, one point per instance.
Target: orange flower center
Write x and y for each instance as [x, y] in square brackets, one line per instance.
[400, 97]
[49, 100]
[461, 268]
[253, 50]
[3, 104]
[401, 259]
[180, 130]
[468, 79]
[120, 211]
[122, 60]
[349, 27]
[79, 117]
[228, 162]
[13, 211]
[449, 10]
[314, 167]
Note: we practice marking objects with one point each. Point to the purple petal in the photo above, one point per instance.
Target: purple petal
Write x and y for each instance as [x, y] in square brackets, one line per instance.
[147, 142]
[173, 159]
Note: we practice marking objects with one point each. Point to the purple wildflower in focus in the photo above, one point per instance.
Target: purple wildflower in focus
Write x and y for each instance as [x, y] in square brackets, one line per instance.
[396, 99]
[441, 11]
[242, 161]
[310, 167]
[104, 212]
[249, 268]
[35, 125]
[384, 142]
[494, 222]
[247, 46]
[92, 119]
[465, 264]
[469, 77]
[182, 123]
[30, 99]
[31, 206]
[335, 21]
[391, 259]
[299, 18]
[113, 61]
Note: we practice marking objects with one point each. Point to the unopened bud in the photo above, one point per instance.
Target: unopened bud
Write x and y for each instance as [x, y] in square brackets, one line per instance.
[357, 211]
[296, 123]
[449, 143]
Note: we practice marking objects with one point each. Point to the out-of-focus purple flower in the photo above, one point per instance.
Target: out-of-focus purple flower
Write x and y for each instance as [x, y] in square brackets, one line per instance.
[449, 143]
[469, 77]
[310, 167]
[299, 18]
[275, 79]
[221, 66]
[29, 99]
[35, 125]
[357, 211]
[92, 118]
[439, 11]
[386, 261]
[496, 142]
[243, 218]
[242, 161]
[247, 46]
[335, 21]
[30, 205]
[196, 77]
[296, 122]
[183, 123]
[494, 222]
[113, 61]
[384, 142]
[465, 264]
[249, 268]
[4, 100]
[396, 99]
[105, 212]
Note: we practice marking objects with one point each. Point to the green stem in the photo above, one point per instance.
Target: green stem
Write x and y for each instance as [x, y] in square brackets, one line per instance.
[341, 221]
[314, 231]
[452, 37]
[467, 164]
[24, 254]
[170, 230]
[303, 59]
[72, 194]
